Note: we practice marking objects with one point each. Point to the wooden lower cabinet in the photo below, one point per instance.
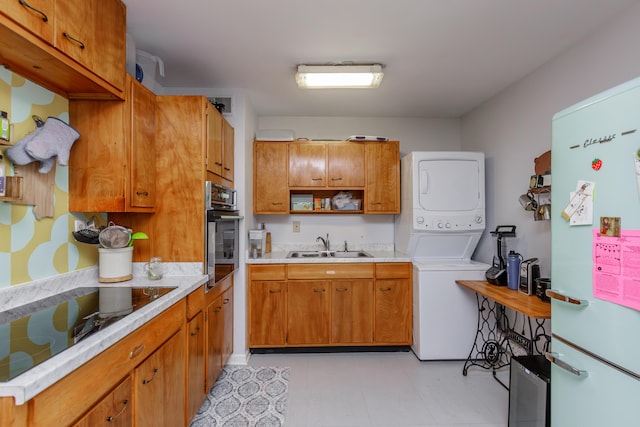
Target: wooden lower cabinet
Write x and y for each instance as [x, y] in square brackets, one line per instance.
[392, 311]
[114, 410]
[159, 390]
[352, 311]
[358, 304]
[219, 330]
[308, 312]
[196, 355]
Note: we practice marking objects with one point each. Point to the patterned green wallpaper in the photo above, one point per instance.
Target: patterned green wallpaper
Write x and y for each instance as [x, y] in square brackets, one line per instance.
[33, 249]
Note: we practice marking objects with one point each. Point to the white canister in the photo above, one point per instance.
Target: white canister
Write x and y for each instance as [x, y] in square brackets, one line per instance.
[115, 265]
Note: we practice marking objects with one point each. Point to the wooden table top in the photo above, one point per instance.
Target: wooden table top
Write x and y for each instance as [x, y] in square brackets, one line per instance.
[529, 305]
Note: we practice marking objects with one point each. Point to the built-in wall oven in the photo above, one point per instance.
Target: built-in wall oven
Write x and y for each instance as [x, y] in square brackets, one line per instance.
[222, 232]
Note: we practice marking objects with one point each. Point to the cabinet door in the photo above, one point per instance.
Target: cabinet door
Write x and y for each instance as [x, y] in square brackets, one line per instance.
[267, 311]
[34, 15]
[142, 145]
[159, 385]
[214, 141]
[307, 164]
[345, 164]
[196, 365]
[382, 193]
[308, 312]
[112, 411]
[392, 319]
[270, 188]
[352, 311]
[93, 32]
[227, 151]
[215, 331]
[227, 333]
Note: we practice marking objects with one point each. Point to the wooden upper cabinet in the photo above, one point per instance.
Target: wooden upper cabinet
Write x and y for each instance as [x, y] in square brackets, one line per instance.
[214, 141]
[345, 164]
[382, 192]
[112, 167]
[35, 15]
[307, 164]
[76, 49]
[270, 189]
[93, 32]
[227, 150]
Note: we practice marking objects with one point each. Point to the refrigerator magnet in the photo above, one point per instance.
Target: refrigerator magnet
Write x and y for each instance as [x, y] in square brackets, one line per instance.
[580, 205]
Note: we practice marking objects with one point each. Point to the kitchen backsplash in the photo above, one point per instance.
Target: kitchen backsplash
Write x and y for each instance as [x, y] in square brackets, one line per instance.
[33, 249]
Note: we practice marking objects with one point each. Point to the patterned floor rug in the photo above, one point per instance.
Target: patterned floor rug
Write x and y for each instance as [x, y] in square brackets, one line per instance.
[246, 396]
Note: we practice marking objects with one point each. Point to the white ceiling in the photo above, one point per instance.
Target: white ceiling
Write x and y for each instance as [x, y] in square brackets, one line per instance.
[442, 58]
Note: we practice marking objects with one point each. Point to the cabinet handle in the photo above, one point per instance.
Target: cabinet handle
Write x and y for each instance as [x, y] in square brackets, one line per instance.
[385, 289]
[136, 351]
[554, 358]
[142, 193]
[276, 203]
[341, 289]
[155, 372]
[552, 293]
[336, 179]
[226, 301]
[45, 18]
[227, 169]
[330, 272]
[375, 203]
[124, 406]
[319, 290]
[316, 179]
[218, 164]
[74, 40]
[196, 332]
[217, 309]
[274, 291]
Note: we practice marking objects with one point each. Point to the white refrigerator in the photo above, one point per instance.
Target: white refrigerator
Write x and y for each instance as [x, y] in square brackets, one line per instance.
[595, 268]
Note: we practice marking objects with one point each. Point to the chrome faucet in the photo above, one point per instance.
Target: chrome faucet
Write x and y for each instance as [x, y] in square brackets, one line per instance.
[325, 242]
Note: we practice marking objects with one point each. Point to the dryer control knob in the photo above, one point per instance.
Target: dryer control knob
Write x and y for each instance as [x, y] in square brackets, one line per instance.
[448, 225]
[439, 225]
[478, 219]
[420, 220]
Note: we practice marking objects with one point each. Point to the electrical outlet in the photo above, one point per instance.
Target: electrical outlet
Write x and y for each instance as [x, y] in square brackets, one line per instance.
[296, 226]
[80, 225]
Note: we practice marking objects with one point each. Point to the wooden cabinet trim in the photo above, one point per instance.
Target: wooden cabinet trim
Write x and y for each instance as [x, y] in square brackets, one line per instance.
[330, 271]
[267, 272]
[393, 270]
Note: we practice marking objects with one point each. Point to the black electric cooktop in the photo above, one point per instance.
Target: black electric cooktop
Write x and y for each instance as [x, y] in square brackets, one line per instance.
[41, 329]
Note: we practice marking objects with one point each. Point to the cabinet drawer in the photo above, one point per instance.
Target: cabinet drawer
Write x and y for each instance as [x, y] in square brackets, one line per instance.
[66, 400]
[330, 271]
[195, 302]
[267, 272]
[393, 270]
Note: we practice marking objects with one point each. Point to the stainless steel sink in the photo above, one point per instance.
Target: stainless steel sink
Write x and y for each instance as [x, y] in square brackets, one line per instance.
[330, 254]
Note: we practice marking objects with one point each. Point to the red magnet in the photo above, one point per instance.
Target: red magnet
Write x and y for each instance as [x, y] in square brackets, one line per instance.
[596, 164]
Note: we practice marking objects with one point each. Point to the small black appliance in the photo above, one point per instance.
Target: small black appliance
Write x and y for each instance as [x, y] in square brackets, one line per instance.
[497, 273]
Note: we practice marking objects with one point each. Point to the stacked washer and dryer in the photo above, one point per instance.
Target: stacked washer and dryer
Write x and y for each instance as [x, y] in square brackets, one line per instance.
[441, 221]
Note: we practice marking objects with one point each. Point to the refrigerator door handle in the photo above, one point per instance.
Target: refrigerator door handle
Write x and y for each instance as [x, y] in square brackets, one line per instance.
[555, 294]
[555, 359]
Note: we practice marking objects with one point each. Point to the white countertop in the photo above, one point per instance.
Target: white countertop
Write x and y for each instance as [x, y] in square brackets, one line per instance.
[280, 257]
[186, 277]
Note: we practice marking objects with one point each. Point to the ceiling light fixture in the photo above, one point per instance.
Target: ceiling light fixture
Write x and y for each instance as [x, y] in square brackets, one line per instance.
[339, 76]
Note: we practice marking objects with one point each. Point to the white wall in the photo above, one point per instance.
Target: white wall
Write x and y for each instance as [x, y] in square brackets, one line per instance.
[515, 127]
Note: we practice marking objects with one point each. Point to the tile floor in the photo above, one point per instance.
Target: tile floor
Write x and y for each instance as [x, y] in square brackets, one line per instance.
[387, 390]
